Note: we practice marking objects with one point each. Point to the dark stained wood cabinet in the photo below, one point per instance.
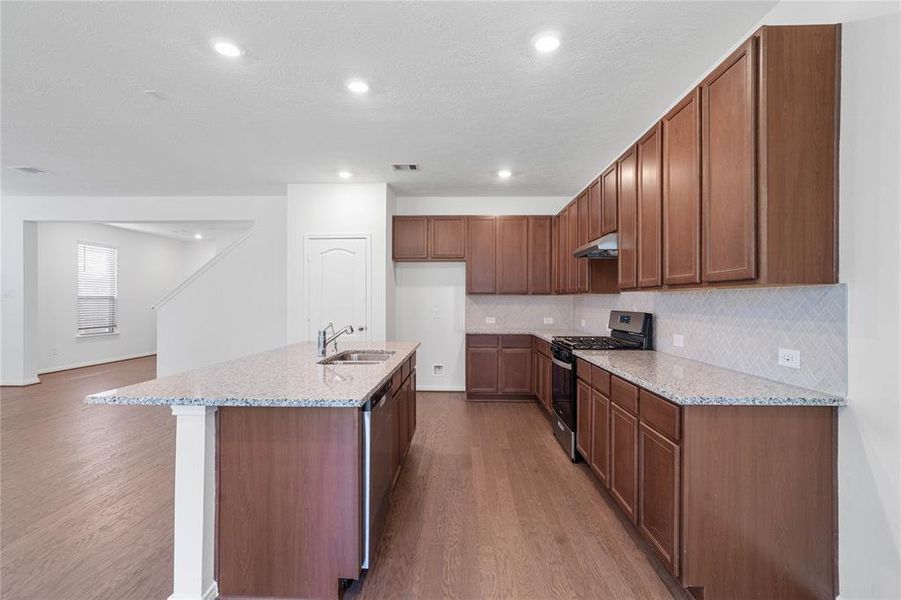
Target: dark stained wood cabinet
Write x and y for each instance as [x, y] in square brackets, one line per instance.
[410, 238]
[729, 154]
[682, 192]
[481, 255]
[512, 255]
[481, 370]
[595, 210]
[659, 488]
[624, 460]
[582, 217]
[583, 419]
[609, 199]
[600, 436]
[499, 367]
[650, 208]
[540, 255]
[627, 192]
[515, 371]
[447, 238]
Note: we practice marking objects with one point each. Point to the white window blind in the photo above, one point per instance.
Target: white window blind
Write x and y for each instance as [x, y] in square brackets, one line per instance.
[98, 289]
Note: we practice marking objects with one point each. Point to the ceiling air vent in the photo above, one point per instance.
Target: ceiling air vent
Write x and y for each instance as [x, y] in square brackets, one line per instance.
[405, 167]
[29, 170]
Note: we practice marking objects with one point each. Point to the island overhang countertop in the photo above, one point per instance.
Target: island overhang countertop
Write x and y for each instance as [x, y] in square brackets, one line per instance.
[290, 376]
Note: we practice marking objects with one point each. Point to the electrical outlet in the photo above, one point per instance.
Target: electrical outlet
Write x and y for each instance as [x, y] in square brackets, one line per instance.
[490, 320]
[789, 358]
[549, 320]
[436, 314]
[678, 340]
[438, 370]
[583, 322]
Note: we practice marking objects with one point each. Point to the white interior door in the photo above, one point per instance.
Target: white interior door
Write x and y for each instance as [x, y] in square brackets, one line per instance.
[337, 282]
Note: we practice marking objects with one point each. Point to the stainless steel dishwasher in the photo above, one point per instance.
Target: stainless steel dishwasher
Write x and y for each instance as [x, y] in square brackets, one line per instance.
[377, 440]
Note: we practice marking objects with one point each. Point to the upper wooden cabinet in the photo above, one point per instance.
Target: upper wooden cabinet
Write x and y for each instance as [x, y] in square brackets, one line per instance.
[682, 192]
[418, 238]
[447, 238]
[627, 188]
[540, 257]
[410, 238]
[481, 255]
[609, 200]
[650, 208]
[595, 210]
[583, 217]
[513, 255]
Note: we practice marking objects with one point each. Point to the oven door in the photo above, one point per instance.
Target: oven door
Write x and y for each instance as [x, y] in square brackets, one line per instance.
[564, 392]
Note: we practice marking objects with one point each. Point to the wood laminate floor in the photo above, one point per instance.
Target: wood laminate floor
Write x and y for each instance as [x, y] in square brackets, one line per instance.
[486, 506]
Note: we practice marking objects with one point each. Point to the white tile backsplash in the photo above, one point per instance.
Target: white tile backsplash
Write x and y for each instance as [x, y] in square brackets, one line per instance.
[739, 329]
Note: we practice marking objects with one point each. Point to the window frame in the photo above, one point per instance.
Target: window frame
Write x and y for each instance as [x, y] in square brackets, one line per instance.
[115, 330]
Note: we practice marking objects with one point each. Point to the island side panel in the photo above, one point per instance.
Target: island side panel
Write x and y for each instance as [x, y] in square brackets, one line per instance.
[759, 501]
[289, 503]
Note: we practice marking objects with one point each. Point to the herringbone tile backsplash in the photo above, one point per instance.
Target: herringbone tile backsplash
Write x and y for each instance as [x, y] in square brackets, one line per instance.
[739, 329]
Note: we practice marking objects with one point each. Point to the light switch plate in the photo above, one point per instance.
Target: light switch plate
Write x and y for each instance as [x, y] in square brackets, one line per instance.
[549, 320]
[436, 314]
[583, 322]
[789, 358]
[678, 340]
[490, 320]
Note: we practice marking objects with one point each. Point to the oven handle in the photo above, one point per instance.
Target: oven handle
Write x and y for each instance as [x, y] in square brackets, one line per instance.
[562, 365]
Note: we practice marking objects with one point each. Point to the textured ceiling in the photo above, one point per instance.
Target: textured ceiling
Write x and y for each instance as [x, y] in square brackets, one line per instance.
[456, 87]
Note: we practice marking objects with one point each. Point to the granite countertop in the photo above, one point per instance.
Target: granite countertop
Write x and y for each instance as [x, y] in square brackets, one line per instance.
[288, 376]
[685, 381]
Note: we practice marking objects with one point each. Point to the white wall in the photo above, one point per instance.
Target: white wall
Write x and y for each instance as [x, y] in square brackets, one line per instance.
[149, 266]
[251, 302]
[195, 254]
[422, 289]
[343, 208]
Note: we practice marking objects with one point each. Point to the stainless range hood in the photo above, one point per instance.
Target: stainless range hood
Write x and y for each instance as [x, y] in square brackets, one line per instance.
[603, 247]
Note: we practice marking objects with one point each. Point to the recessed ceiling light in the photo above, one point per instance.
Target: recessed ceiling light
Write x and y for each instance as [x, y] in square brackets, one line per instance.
[504, 174]
[358, 86]
[546, 42]
[198, 236]
[227, 49]
[345, 174]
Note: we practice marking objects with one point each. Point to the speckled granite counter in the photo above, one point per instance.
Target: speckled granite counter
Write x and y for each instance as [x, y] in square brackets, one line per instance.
[686, 381]
[289, 376]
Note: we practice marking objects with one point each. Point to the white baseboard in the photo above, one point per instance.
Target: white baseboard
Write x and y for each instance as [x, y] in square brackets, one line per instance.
[440, 388]
[21, 382]
[92, 363]
[211, 593]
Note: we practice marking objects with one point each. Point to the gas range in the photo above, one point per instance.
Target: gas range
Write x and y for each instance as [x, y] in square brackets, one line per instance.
[603, 342]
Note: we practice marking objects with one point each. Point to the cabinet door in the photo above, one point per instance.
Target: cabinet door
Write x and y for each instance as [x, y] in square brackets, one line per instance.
[540, 246]
[512, 255]
[624, 460]
[514, 370]
[650, 208]
[555, 224]
[583, 419]
[582, 218]
[682, 192]
[627, 189]
[658, 514]
[600, 436]
[609, 200]
[411, 411]
[572, 245]
[595, 210]
[729, 181]
[447, 238]
[402, 430]
[481, 370]
[410, 238]
[481, 255]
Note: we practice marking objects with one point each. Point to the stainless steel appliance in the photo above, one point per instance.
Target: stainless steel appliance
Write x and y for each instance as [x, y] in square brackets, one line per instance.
[376, 469]
[628, 331]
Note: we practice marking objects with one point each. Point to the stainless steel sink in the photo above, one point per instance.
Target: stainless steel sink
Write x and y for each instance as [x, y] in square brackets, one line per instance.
[358, 357]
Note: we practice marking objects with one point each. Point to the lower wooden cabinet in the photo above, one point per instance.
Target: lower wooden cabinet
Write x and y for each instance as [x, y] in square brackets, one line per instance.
[658, 494]
[624, 460]
[514, 371]
[583, 419]
[481, 371]
[499, 366]
[600, 437]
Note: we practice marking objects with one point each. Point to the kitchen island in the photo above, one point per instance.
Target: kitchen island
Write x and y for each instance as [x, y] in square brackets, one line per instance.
[284, 467]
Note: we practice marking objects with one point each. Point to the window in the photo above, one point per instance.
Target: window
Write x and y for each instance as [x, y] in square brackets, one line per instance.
[98, 289]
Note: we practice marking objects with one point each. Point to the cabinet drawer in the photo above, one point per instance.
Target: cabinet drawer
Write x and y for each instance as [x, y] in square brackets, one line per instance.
[583, 370]
[624, 394]
[600, 380]
[481, 341]
[516, 341]
[662, 415]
